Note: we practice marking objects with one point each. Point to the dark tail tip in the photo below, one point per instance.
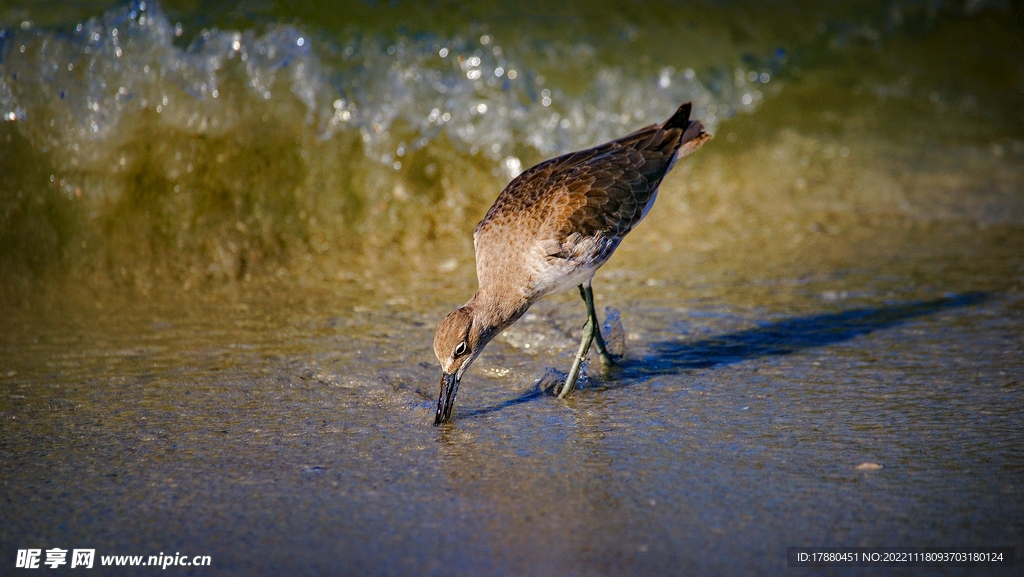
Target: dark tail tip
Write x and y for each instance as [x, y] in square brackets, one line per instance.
[681, 118]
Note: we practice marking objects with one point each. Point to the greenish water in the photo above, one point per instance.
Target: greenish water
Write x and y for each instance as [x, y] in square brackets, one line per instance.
[228, 231]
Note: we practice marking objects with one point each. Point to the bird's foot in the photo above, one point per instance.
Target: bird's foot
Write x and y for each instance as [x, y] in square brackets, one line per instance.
[574, 374]
[589, 330]
[569, 384]
[608, 361]
[607, 358]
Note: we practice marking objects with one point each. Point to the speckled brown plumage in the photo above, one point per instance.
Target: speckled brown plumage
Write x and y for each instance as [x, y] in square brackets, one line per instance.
[551, 229]
[573, 211]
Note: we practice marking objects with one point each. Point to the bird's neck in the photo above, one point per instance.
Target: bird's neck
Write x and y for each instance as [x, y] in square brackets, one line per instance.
[496, 311]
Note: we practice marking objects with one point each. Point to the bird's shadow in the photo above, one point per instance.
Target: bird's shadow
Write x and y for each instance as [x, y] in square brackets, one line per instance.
[771, 339]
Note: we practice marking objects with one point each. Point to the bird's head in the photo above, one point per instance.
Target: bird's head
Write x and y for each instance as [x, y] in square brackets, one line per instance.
[457, 343]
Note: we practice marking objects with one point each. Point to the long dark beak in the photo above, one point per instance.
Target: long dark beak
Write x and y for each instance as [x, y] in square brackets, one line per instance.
[446, 402]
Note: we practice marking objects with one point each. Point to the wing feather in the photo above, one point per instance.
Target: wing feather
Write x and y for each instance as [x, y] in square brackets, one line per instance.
[578, 206]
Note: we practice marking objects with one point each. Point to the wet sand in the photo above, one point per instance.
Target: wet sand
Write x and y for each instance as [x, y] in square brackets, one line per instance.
[293, 435]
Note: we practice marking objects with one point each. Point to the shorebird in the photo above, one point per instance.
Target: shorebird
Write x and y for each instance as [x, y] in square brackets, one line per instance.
[550, 230]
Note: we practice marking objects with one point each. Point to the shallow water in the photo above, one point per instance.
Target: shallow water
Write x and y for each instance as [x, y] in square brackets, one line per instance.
[218, 308]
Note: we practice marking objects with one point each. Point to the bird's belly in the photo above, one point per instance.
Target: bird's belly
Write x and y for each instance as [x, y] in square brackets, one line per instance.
[554, 274]
[557, 282]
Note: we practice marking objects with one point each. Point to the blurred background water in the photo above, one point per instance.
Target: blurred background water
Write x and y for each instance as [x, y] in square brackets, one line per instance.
[227, 230]
[191, 143]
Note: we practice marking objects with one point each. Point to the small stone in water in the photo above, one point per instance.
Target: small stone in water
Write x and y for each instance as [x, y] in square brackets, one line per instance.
[868, 467]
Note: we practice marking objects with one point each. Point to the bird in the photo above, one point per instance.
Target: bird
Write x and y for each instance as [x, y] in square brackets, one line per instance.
[550, 230]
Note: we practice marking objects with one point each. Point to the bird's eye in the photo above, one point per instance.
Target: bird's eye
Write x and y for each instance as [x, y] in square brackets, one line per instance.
[460, 349]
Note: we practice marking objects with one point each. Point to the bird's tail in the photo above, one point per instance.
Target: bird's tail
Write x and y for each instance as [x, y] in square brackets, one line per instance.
[693, 131]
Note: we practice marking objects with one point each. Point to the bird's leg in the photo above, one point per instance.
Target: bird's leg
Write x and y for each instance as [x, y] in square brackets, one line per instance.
[591, 334]
[588, 297]
[581, 355]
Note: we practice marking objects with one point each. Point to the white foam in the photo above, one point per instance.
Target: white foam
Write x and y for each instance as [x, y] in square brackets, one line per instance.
[117, 80]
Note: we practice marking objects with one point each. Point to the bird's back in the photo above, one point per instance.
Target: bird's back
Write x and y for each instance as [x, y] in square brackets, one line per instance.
[556, 223]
